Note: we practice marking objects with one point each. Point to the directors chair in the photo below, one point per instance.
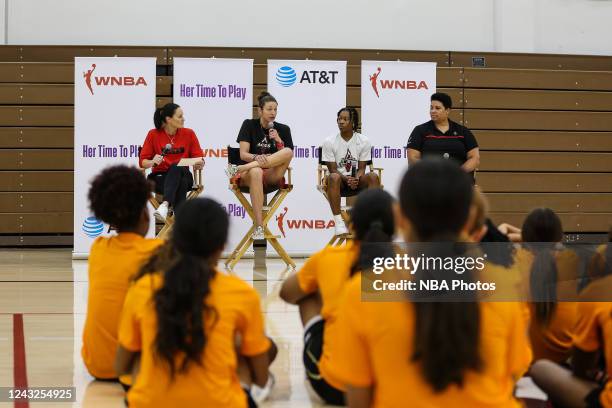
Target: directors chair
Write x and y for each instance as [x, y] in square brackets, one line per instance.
[349, 199]
[162, 229]
[269, 209]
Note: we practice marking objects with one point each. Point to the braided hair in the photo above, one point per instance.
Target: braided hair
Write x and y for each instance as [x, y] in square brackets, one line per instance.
[353, 116]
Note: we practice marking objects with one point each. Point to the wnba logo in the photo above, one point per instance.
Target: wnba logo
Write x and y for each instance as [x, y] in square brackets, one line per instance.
[110, 80]
[394, 83]
[286, 76]
[304, 224]
[93, 227]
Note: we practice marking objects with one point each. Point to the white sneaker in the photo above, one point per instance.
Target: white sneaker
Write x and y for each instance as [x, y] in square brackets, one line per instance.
[161, 212]
[341, 229]
[259, 395]
[258, 234]
[231, 170]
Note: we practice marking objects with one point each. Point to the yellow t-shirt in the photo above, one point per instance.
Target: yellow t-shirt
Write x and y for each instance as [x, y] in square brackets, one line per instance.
[601, 262]
[554, 342]
[328, 271]
[112, 263]
[215, 382]
[377, 347]
[593, 330]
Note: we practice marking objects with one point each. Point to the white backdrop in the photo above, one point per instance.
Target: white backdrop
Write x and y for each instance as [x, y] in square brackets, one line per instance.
[309, 95]
[387, 118]
[216, 96]
[114, 101]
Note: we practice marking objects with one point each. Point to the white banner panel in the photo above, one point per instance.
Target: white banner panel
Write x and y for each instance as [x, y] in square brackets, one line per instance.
[394, 99]
[309, 95]
[114, 102]
[216, 95]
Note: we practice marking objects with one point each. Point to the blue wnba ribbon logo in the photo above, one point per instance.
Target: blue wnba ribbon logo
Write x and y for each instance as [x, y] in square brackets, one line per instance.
[286, 76]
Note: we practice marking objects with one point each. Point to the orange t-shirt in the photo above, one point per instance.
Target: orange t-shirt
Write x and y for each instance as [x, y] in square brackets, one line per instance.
[601, 262]
[328, 271]
[554, 342]
[215, 382]
[377, 347]
[593, 330]
[112, 263]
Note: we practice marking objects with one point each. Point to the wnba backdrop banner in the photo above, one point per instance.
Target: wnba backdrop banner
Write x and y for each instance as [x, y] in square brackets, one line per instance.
[114, 101]
[394, 99]
[217, 96]
[309, 95]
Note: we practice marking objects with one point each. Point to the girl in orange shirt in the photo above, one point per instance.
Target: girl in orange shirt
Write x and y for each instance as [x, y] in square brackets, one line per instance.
[318, 285]
[427, 353]
[587, 384]
[552, 273]
[185, 323]
[118, 196]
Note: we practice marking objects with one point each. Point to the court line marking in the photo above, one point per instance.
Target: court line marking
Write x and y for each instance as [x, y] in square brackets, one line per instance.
[20, 375]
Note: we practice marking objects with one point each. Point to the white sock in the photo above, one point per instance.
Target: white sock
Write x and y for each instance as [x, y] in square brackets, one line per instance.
[338, 220]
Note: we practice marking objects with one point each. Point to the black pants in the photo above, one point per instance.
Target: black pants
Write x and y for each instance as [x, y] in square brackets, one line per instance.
[173, 184]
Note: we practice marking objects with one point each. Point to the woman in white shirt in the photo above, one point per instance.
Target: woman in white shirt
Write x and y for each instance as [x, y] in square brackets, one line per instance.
[346, 155]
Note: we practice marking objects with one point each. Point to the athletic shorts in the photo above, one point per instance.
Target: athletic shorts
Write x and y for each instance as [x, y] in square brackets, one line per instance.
[313, 349]
[592, 399]
[250, 401]
[346, 191]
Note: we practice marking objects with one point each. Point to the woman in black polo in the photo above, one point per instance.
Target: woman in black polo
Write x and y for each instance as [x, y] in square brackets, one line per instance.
[443, 137]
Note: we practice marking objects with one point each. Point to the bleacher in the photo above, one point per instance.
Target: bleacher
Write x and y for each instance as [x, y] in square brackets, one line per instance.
[543, 122]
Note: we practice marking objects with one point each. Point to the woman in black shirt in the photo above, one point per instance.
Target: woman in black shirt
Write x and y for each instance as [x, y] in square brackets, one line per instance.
[443, 137]
[267, 149]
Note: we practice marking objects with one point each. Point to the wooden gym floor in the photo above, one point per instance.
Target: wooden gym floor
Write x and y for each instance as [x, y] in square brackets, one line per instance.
[43, 300]
[47, 290]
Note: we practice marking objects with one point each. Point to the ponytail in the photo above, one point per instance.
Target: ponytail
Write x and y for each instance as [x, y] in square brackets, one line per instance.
[180, 303]
[446, 342]
[435, 196]
[543, 285]
[158, 120]
[180, 307]
[373, 225]
[163, 258]
[160, 115]
[543, 225]
[376, 243]
[447, 334]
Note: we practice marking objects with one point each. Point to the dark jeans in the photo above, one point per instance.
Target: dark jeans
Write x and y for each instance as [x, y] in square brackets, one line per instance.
[173, 184]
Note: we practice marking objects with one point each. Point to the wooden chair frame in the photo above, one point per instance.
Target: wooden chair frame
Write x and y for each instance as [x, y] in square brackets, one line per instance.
[269, 209]
[157, 199]
[322, 174]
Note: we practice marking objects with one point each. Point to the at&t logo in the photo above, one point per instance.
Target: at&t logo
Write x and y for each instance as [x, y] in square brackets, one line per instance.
[287, 76]
[93, 227]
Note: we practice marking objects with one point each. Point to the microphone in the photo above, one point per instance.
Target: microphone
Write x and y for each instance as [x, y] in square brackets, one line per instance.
[165, 150]
[270, 127]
